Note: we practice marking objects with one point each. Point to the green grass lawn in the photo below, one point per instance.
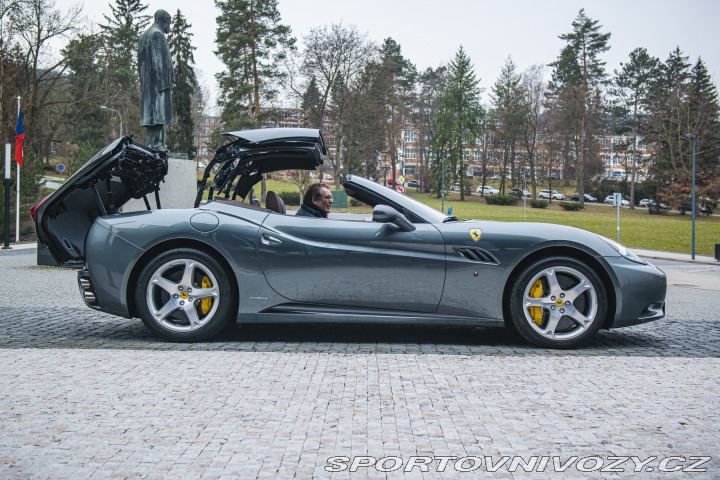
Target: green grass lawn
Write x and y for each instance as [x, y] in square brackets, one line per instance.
[638, 229]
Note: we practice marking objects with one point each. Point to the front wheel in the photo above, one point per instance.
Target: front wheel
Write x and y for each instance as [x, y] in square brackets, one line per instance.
[184, 295]
[557, 302]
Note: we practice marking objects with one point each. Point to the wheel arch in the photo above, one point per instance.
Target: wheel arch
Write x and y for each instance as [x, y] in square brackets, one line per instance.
[166, 246]
[564, 251]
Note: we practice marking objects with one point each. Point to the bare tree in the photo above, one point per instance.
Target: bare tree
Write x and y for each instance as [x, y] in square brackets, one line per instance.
[534, 89]
[38, 23]
[335, 55]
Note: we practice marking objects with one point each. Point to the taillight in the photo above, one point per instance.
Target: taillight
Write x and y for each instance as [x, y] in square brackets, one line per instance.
[35, 207]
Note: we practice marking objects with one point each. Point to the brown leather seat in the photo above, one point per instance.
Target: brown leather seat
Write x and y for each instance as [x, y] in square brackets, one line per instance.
[274, 202]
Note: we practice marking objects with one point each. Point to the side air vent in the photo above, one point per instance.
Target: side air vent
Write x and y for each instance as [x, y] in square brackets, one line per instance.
[474, 254]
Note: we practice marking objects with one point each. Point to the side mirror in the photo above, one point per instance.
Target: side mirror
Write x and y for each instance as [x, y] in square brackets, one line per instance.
[387, 214]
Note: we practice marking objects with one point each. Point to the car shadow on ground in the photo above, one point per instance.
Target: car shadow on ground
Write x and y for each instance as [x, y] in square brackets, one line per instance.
[86, 329]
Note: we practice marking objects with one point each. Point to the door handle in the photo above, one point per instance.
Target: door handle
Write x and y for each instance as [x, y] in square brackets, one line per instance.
[269, 240]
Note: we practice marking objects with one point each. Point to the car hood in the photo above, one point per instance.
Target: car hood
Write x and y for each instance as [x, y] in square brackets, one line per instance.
[122, 170]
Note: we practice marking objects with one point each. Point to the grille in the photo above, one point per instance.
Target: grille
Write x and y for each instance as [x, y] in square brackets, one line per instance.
[474, 254]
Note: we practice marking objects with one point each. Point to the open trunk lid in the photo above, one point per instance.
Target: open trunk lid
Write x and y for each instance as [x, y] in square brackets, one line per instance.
[123, 170]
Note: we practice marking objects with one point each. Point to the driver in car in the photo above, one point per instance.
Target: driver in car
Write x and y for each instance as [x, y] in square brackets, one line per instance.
[316, 202]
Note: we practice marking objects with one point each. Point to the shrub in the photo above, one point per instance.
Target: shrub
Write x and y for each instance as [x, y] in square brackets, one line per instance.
[656, 209]
[290, 198]
[501, 200]
[571, 206]
[539, 203]
[355, 203]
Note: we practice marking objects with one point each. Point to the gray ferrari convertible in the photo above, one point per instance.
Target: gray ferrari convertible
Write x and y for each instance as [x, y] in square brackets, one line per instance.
[188, 273]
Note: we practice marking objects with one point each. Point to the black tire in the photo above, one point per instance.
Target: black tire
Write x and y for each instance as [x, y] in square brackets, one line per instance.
[172, 301]
[558, 302]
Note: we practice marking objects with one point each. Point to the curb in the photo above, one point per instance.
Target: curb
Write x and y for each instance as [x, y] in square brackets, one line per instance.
[674, 256]
[18, 246]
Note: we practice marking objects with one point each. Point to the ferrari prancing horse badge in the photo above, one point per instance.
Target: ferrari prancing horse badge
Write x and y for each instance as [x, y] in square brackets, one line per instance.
[475, 234]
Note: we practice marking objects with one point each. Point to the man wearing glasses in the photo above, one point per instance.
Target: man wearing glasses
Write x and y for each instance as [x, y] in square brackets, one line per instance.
[316, 202]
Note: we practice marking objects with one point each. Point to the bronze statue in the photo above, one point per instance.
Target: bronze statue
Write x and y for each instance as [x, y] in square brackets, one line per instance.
[156, 81]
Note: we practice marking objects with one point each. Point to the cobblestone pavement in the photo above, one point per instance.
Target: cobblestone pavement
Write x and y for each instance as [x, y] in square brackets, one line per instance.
[87, 395]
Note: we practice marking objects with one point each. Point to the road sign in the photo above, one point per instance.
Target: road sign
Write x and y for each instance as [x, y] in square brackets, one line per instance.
[401, 189]
[401, 179]
[60, 168]
[617, 198]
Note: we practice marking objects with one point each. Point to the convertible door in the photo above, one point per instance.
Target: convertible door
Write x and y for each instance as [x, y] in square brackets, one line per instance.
[353, 263]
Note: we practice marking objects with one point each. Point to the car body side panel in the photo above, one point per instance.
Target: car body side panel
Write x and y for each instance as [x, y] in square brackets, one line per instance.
[351, 263]
[110, 259]
[508, 243]
[233, 238]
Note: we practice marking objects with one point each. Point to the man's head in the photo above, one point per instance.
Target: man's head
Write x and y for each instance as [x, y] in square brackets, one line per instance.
[163, 19]
[319, 194]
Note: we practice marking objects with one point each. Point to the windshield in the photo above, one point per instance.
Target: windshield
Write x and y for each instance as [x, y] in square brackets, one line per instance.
[374, 194]
[420, 209]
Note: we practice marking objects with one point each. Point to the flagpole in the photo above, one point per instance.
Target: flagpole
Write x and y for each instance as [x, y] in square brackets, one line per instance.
[8, 188]
[17, 195]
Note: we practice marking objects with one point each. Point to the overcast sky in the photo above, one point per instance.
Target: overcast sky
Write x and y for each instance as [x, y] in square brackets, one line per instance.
[430, 32]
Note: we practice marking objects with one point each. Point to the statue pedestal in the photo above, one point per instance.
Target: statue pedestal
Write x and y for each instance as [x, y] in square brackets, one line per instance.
[178, 190]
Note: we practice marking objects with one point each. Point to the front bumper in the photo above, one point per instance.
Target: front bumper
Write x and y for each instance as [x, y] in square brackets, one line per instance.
[640, 292]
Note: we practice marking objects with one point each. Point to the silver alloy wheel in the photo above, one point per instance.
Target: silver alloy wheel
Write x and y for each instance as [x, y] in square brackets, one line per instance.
[175, 295]
[568, 303]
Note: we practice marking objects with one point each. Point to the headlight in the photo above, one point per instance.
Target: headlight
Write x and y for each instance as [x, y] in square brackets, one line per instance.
[623, 251]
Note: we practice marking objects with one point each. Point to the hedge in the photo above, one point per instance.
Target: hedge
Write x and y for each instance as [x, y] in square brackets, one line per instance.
[290, 198]
[571, 206]
[504, 200]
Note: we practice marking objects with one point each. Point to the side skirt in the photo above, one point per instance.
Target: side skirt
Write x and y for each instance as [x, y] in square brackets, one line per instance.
[305, 313]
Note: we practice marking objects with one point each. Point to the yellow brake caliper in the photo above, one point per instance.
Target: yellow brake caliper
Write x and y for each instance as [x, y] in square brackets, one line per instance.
[206, 303]
[536, 291]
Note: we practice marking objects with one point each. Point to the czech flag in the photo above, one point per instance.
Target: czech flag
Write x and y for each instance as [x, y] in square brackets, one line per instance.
[19, 139]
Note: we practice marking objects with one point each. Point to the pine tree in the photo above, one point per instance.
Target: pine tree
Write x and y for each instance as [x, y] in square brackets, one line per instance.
[507, 117]
[251, 41]
[631, 84]
[181, 49]
[587, 43]
[311, 105]
[87, 89]
[682, 99]
[121, 33]
[394, 85]
[430, 83]
[459, 120]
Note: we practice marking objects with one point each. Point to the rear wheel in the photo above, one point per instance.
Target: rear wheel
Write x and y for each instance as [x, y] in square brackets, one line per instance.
[558, 302]
[185, 296]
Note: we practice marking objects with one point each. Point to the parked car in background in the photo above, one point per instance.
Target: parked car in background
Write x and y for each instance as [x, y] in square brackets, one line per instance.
[455, 187]
[588, 198]
[610, 199]
[554, 194]
[488, 190]
[519, 192]
[648, 202]
[702, 209]
[413, 183]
